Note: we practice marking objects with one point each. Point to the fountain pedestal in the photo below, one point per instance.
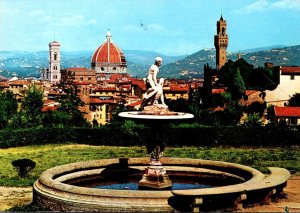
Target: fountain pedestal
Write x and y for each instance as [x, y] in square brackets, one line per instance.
[155, 175]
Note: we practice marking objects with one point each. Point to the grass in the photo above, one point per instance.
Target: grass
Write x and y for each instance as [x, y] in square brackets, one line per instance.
[47, 156]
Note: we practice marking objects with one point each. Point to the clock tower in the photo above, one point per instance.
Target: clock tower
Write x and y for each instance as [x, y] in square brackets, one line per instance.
[221, 43]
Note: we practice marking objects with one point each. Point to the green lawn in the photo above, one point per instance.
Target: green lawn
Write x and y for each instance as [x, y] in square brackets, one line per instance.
[47, 156]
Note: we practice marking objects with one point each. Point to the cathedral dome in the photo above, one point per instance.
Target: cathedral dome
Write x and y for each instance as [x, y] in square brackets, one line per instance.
[108, 58]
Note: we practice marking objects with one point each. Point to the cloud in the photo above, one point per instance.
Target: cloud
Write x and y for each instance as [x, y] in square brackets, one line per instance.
[256, 6]
[287, 4]
[262, 5]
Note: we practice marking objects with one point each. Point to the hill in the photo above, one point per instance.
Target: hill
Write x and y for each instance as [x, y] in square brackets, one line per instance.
[29, 64]
[192, 66]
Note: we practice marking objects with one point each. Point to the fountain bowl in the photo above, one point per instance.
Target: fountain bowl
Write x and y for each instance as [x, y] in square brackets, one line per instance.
[56, 191]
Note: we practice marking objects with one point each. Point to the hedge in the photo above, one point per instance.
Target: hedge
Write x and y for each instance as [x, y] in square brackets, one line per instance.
[172, 136]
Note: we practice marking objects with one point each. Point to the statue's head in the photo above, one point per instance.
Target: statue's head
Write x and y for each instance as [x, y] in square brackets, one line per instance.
[158, 61]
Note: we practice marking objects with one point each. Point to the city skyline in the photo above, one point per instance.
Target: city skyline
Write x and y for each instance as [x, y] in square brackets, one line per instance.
[170, 27]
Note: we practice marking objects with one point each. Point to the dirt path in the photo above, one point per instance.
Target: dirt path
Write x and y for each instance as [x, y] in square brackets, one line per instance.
[291, 203]
[13, 196]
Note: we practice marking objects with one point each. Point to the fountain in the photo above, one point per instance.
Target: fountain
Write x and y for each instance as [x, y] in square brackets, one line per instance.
[147, 185]
[155, 117]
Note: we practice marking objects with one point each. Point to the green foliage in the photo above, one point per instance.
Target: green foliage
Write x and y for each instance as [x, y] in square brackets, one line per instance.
[294, 100]
[68, 114]
[23, 166]
[57, 118]
[231, 115]
[19, 120]
[119, 108]
[8, 107]
[238, 86]
[270, 114]
[256, 107]
[179, 105]
[253, 120]
[207, 86]
[230, 76]
[245, 68]
[253, 78]
[262, 78]
[32, 105]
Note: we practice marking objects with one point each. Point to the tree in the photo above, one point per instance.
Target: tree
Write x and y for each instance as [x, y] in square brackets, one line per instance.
[207, 86]
[8, 107]
[23, 166]
[253, 120]
[237, 86]
[69, 108]
[294, 100]
[270, 114]
[32, 105]
[245, 68]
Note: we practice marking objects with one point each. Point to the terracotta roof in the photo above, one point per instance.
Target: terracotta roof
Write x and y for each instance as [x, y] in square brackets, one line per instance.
[81, 83]
[179, 88]
[218, 91]
[99, 101]
[108, 52]
[287, 111]
[19, 82]
[140, 83]
[78, 69]
[105, 89]
[290, 69]
[4, 84]
[49, 108]
[217, 109]
[249, 92]
[47, 102]
[135, 104]
[117, 76]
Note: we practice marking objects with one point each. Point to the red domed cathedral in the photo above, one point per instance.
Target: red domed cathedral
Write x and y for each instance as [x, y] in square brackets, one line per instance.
[108, 58]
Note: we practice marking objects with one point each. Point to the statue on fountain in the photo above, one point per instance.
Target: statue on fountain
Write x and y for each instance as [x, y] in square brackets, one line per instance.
[154, 86]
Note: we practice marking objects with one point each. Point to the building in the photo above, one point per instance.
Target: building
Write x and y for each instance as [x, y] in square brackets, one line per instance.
[54, 74]
[108, 58]
[221, 43]
[105, 85]
[290, 115]
[288, 85]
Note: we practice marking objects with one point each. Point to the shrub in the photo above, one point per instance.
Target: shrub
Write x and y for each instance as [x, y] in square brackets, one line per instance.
[23, 166]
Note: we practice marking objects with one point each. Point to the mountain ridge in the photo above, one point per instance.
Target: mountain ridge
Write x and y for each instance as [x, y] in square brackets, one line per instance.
[29, 64]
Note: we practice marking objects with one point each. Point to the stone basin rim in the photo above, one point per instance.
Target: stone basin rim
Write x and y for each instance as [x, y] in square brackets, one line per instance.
[136, 115]
[48, 178]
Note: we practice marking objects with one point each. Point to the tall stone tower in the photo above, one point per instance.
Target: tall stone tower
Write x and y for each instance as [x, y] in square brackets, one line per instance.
[221, 43]
[54, 74]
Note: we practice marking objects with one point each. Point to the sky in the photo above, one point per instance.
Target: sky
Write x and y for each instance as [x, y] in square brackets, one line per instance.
[170, 27]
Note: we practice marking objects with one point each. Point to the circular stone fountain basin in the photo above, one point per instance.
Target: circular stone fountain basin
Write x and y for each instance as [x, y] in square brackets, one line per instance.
[68, 187]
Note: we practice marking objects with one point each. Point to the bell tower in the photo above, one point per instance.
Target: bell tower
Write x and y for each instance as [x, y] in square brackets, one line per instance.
[221, 43]
[54, 62]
